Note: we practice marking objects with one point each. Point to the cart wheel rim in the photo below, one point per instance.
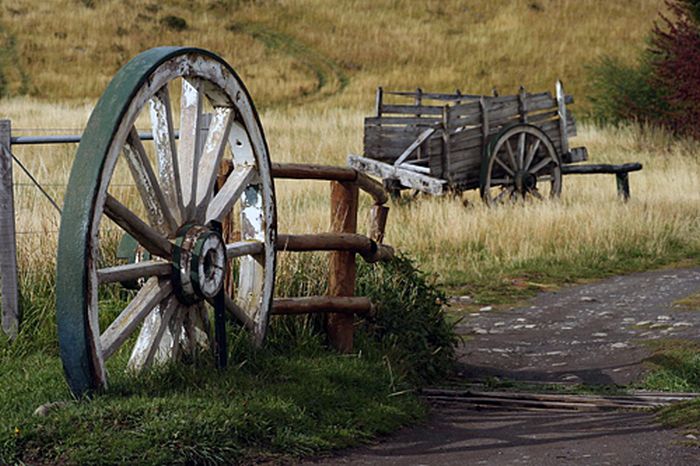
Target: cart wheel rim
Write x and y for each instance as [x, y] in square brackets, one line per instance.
[518, 162]
[180, 192]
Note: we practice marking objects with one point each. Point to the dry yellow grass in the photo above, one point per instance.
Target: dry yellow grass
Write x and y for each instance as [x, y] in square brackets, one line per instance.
[71, 48]
[436, 45]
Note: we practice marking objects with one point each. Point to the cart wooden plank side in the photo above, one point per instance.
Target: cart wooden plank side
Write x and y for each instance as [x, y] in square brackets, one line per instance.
[510, 147]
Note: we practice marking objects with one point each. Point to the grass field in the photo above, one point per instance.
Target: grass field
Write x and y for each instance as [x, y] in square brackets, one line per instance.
[312, 68]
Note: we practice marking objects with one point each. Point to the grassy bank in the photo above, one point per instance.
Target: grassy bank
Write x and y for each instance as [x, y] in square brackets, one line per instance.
[292, 398]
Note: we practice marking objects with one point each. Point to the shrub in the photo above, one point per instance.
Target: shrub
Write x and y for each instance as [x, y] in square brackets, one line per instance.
[409, 326]
[661, 88]
[675, 66]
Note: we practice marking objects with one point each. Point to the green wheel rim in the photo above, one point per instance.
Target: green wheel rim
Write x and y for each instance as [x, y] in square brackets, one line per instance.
[107, 134]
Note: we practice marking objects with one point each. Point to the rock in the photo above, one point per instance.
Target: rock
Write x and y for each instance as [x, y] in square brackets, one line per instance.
[571, 378]
[619, 345]
[691, 437]
[480, 331]
[530, 326]
[587, 299]
[499, 324]
[46, 408]
[600, 334]
[461, 299]
[643, 323]
[663, 318]
[486, 309]
[682, 324]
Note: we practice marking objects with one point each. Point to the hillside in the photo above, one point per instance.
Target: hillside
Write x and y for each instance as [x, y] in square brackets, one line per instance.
[288, 51]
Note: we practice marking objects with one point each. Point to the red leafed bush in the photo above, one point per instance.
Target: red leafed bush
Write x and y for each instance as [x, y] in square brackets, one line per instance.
[675, 68]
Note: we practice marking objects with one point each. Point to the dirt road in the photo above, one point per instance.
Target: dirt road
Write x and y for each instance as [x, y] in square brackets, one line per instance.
[591, 334]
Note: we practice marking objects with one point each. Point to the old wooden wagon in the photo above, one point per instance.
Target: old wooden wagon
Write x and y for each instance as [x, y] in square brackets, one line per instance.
[510, 147]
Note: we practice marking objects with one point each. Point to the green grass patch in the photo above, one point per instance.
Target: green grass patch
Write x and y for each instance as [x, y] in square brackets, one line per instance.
[295, 397]
[522, 280]
[675, 366]
[270, 404]
[691, 302]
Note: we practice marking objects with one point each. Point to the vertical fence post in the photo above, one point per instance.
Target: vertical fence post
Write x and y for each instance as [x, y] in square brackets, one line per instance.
[342, 270]
[8, 245]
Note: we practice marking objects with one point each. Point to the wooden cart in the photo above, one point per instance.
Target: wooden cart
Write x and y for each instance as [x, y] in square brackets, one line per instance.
[510, 147]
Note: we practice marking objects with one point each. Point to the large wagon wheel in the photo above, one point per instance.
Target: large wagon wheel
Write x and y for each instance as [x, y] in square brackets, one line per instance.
[520, 162]
[175, 218]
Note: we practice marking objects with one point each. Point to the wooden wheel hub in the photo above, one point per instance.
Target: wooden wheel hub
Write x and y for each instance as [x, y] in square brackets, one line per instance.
[198, 264]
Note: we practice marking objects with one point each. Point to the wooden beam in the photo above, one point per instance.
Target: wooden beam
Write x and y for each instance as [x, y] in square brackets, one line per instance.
[322, 304]
[302, 171]
[590, 169]
[11, 313]
[408, 178]
[342, 268]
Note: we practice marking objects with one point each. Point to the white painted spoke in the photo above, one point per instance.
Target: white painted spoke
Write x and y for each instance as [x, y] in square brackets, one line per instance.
[154, 343]
[177, 331]
[128, 272]
[153, 292]
[240, 145]
[208, 169]
[244, 248]
[504, 166]
[166, 151]
[239, 314]
[521, 150]
[531, 153]
[188, 160]
[197, 327]
[231, 191]
[511, 155]
[146, 235]
[147, 184]
[542, 163]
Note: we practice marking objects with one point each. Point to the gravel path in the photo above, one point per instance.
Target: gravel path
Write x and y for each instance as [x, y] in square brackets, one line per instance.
[591, 334]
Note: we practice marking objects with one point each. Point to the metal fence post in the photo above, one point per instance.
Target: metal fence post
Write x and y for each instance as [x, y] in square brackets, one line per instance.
[8, 242]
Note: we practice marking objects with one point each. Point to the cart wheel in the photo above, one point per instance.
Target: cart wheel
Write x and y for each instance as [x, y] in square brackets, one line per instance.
[174, 214]
[520, 162]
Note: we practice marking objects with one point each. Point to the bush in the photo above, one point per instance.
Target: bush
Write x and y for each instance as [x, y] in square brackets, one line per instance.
[661, 88]
[409, 326]
[621, 92]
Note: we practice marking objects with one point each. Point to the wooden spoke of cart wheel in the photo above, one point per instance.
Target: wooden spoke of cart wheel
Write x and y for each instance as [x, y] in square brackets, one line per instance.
[239, 314]
[178, 227]
[155, 341]
[511, 155]
[504, 166]
[129, 272]
[502, 181]
[535, 192]
[146, 235]
[540, 165]
[521, 150]
[190, 132]
[244, 248]
[531, 154]
[229, 193]
[153, 293]
[153, 198]
[161, 114]
[217, 139]
[508, 191]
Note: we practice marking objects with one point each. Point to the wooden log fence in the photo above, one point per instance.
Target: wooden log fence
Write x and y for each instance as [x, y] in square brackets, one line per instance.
[342, 241]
